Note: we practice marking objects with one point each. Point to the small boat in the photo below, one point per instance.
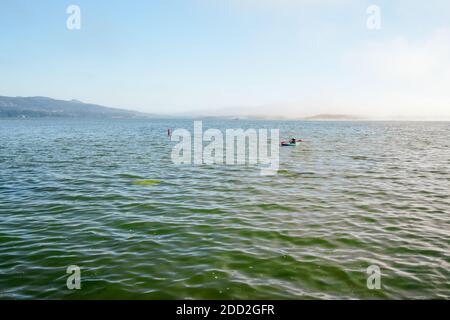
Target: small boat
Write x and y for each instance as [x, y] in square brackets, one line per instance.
[290, 143]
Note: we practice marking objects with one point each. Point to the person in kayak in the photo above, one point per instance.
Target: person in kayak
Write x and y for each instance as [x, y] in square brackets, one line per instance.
[293, 140]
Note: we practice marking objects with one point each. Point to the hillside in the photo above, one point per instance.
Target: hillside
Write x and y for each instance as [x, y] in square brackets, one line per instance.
[38, 107]
[334, 117]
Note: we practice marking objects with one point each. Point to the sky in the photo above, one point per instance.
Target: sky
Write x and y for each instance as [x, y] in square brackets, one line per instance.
[268, 57]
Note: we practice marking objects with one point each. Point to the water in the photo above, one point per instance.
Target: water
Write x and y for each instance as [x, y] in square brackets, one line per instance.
[354, 194]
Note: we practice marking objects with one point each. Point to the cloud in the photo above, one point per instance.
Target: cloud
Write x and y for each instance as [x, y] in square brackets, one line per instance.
[404, 60]
[403, 77]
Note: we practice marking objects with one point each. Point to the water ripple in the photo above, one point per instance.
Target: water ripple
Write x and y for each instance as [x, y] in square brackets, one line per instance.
[355, 194]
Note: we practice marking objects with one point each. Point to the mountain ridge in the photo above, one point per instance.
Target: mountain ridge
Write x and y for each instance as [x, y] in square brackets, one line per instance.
[39, 107]
[45, 107]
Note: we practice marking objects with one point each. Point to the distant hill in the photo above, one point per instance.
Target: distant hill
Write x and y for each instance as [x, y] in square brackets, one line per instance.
[38, 107]
[334, 117]
[319, 117]
[43, 107]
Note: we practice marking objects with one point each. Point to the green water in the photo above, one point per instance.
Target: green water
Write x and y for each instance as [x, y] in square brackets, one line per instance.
[104, 195]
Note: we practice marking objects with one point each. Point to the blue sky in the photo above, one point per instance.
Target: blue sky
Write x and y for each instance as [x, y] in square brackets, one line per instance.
[292, 57]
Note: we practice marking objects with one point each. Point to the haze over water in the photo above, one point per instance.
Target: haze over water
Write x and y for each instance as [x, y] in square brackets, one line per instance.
[354, 194]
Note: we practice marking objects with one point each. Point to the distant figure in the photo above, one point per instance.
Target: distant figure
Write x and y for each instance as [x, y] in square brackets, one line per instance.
[293, 140]
[169, 133]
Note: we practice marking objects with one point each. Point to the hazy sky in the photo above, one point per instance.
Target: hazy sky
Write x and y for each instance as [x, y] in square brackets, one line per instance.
[292, 57]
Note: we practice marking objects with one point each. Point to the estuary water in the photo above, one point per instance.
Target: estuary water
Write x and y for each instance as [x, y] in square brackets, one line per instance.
[104, 195]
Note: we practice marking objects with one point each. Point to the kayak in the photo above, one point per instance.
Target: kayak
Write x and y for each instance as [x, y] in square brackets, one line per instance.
[291, 144]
